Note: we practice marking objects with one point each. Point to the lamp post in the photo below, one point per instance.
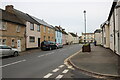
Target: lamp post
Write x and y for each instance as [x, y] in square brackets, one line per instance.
[85, 24]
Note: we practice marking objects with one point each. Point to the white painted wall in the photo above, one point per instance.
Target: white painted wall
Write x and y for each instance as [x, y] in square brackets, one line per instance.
[31, 33]
[111, 33]
[98, 38]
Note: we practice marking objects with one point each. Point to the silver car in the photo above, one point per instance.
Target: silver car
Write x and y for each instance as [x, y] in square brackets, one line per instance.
[7, 51]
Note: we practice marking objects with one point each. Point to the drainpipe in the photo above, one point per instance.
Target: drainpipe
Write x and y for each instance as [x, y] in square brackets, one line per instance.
[114, 29]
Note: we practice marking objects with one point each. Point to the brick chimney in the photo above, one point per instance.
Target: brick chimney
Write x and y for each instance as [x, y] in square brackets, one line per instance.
[9, 8]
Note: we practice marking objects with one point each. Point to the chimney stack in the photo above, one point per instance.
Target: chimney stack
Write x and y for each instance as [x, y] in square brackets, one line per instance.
[9, 8]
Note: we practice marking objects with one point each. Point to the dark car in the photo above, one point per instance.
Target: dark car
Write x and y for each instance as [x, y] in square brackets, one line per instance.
[48, 45]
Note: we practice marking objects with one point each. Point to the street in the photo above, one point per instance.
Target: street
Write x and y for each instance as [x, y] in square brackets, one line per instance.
[44, 64]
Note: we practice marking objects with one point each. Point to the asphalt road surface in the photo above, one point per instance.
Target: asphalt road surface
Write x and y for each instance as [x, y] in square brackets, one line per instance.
[43, 64]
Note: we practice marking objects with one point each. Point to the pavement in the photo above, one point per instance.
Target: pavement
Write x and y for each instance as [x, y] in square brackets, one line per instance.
[99, 61]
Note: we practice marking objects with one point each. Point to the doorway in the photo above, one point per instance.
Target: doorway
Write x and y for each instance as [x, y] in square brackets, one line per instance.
[38, 42]
[19, 45]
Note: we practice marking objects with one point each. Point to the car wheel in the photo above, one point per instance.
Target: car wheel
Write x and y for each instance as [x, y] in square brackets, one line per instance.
[15, 54]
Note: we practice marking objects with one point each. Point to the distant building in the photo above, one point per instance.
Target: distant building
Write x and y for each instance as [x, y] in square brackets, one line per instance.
[88, 37]
[73, 38]
[105, 35]
[64, 37]
[98, 36]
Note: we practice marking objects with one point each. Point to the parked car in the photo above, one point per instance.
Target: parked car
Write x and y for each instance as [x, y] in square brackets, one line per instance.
[48, 45]
[59, 45]
[7, 51]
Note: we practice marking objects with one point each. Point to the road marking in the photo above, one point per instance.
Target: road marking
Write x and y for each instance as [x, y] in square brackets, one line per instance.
[61, 66]
[55, 70]
[41, 55]
[65, 71]
[59, 76]
[12, 63]
[48, 75]
[46, 54]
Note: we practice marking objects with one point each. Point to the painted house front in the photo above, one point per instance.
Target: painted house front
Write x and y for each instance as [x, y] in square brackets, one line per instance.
[106, 34]
[112, 25]
[98, 36]
[64, 37]
[117, 31]
[73, 38]
[47, 31]
[58, 35]
[70, 38]
[12, 31]
[32, 27]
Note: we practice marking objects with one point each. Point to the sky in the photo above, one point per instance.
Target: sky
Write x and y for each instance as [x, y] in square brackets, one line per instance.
[66, 13]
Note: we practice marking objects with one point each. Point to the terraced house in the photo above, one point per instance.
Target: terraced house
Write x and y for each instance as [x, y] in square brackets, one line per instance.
[111, 29]
[12, 31]
[32, 34]
[47, 31]
[64, 37]
[58, 34]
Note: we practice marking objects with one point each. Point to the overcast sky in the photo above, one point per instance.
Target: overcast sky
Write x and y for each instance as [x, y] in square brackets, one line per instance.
[66, 13]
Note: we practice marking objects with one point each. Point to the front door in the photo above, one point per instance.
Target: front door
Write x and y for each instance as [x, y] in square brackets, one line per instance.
[19, 45]
[38, 42]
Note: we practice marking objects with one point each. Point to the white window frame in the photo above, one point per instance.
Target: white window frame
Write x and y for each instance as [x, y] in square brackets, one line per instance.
[38, 28]
[18, 28]
[13, 43]
[4, 26]
[44, 29]
[4, 43]
[31, 26]
[31, 40]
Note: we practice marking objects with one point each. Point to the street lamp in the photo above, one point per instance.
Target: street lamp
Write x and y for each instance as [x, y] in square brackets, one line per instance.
[85, 24]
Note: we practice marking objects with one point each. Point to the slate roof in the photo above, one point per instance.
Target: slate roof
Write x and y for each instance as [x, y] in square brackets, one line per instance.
[112, 9]
[7, 16]
[97, 31]
[87, 33]
[42, 22]
[58, 28]
[24, 16]
[74, 35]
[63, 31]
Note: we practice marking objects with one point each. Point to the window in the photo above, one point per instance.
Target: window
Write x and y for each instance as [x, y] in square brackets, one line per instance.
[4, 41]
[18, 28]
[32, 39]
[31, 26]
[44, 29]
[48, 30]
[38, 28]
[4, 26]
[0, 41]
[13, 43]
[44, 38]
[49, 38]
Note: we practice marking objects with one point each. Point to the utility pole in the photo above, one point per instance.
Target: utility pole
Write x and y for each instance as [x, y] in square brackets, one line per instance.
[85, 24]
